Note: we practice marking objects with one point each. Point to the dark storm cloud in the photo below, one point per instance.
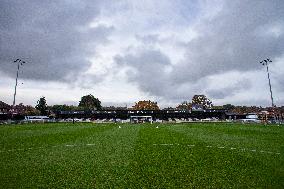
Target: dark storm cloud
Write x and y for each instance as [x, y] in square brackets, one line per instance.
[237, 38]
[52, 36]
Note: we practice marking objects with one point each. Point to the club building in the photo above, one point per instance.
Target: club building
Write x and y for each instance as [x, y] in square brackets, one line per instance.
[154, 114]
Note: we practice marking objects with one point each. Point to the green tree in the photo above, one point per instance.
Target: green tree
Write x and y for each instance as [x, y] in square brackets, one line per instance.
[201, 102]
[31, 111]
[58, 107]
[228, 106]
[89, 102]
[42, 106]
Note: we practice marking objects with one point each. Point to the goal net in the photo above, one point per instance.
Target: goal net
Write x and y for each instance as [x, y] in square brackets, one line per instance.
[141, 119]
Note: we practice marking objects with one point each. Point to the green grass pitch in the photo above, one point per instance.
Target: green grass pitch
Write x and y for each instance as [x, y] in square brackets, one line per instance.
[87, 155]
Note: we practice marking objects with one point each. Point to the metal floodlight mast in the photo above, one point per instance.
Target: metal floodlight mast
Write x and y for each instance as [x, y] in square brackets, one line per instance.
[20, 63]
[265, 63]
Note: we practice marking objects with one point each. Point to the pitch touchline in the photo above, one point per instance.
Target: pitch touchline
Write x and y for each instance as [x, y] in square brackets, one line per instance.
[222, 147]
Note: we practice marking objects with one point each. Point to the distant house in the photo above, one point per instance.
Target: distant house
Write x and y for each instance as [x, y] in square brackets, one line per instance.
[251, 118]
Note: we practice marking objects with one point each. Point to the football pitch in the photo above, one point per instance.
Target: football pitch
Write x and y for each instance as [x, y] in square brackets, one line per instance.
[191, 155]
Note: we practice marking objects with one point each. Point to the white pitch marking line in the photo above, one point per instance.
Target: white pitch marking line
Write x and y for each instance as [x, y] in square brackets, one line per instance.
[253, 150]
[232, 148]
[191, 145]
[90, 144]
[221, 147]
[209, 146]
[167, 144]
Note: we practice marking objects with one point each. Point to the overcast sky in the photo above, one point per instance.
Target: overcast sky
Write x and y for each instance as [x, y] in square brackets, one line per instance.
[130, 50]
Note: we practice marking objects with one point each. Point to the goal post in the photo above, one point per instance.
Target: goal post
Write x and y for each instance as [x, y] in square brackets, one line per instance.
[141, 119]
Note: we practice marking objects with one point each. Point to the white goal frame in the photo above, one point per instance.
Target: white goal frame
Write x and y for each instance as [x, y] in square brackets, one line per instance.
[137, 119]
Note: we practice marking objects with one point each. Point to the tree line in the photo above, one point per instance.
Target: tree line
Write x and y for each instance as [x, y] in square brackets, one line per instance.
[90, 103]
[87, 103]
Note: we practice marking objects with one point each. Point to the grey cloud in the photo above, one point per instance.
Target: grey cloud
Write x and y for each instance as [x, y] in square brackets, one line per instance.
[148, 39]
[52, 36]
[234, 40]
[88, 81]
[278, 82]
[230, 90]
[148, 70]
